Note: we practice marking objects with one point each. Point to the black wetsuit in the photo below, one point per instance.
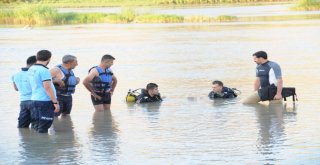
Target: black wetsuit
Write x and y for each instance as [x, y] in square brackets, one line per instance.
[144, 97]
[225, 93]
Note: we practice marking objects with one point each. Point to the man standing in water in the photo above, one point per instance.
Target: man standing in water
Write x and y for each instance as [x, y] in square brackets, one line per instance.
[268, 83]
[101, 83]
[44, 99]
[65, 83]
[21, 84]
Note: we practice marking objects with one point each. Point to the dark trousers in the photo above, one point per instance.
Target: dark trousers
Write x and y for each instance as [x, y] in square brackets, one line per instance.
[42, 115]
[65, 103]
[24, 119]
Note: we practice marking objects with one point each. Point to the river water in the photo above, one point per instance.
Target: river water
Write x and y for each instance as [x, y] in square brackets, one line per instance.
[187, 127]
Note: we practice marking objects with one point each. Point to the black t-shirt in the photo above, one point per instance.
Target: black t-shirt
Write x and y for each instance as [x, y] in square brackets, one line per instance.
[268, 73]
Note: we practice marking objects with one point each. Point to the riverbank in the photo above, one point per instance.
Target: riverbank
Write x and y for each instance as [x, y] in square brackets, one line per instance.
[43, 15]
[307, 5]
[144, 3]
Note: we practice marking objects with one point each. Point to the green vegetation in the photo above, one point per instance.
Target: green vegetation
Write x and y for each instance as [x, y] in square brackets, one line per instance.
[308, 5]
[156, 18]
[45, 15]
[109, 3]
[226, 18]
[211, 2]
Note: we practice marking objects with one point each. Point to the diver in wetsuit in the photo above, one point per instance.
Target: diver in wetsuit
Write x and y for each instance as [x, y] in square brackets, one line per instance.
[219, 91]
[150, 94]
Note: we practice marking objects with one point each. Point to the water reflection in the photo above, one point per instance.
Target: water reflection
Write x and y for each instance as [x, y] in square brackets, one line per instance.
[59, 147]
[103, 137]
[151, 110]
[271, 123]
[151, 107]
[222, 102]
[64, 130]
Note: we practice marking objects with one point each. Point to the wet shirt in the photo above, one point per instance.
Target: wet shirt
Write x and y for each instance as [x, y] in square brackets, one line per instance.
[144, 97]
[225, 93]
[22, 83]
[37, 74]
[268, 73]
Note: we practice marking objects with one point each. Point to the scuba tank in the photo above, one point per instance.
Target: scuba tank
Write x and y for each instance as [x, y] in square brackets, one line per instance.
[132, 96]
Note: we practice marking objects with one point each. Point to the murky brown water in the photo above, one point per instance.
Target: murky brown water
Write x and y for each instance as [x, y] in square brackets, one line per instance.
[187, 128]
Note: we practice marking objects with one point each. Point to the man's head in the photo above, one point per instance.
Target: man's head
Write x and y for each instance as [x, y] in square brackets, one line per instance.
[152, 89]
[260, 57]
[31, 60]
[44, 55]
[70, 61]
[107, 60]
[217, 86]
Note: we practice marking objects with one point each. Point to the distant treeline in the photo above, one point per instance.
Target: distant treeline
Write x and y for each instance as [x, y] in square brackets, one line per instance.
[142, 2]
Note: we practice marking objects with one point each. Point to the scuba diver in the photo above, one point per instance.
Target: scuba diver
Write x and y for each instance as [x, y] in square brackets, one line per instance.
[150, 94]
[219, 91]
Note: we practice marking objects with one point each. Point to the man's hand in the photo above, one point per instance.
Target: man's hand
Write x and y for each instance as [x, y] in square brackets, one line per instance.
[56, 108]
[78, 80]
[96, 96]
[278, 97]
[60, 83]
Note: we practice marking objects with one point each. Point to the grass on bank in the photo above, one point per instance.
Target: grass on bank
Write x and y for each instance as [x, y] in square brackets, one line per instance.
[307, 5]
[45, 15]
[132, 3]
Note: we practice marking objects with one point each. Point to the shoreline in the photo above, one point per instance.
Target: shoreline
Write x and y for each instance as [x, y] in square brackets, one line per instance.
[150, 5]
[44, 15]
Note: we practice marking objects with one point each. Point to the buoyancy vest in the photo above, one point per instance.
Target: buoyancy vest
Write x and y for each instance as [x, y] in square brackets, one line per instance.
[102, 83]
[69, 80]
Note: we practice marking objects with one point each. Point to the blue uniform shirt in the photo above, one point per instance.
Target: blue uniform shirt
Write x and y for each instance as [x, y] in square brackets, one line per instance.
[22, 82]
[37, 74]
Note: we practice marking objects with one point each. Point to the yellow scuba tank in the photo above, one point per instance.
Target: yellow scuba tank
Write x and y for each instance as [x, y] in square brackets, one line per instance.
[131, 97]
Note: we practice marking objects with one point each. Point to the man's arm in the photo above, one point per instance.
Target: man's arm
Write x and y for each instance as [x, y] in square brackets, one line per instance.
[56, 76]
[114, 83]
[257, 84]
[86, 82]
[15, 87]
[78, 80]
[277, 72]
[231, 94]
[141, 99]
[50, 93]
[278, 96]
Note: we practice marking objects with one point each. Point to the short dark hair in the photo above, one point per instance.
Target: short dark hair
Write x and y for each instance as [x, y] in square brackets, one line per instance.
[151, 86]
[31, 60]
[217, 82]
[260, 54]
[107, 57]
[43, 55]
